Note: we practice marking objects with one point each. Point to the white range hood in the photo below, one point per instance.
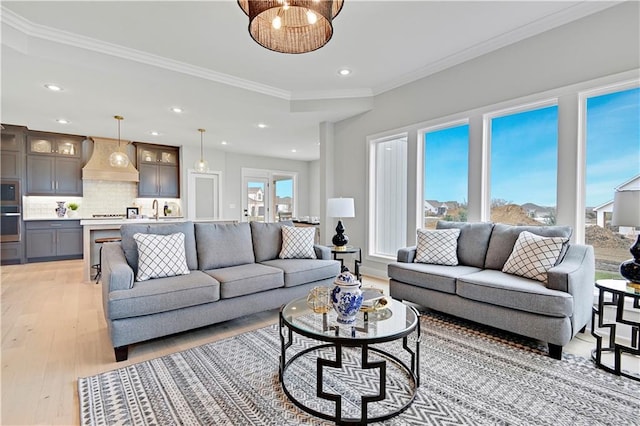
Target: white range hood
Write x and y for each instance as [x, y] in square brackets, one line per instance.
[98, 167]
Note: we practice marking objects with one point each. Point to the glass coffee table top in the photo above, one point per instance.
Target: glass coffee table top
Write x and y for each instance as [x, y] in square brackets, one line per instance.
[380, 325]
[325, 373]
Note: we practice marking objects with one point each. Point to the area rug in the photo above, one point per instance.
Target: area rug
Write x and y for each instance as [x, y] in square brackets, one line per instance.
[469, 375]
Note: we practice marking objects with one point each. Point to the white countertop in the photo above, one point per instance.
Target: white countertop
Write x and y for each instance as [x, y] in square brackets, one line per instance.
[106, 220]
[122, 221]
[28, 219]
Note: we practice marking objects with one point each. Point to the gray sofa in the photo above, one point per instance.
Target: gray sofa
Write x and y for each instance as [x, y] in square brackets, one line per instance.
[477, 290]
[234, 270]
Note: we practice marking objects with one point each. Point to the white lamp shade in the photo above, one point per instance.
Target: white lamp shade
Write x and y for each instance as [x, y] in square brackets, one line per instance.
[626, 208]
[341, 207]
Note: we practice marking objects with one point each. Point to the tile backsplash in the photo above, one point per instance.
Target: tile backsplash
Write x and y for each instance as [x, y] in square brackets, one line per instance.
[99, 197]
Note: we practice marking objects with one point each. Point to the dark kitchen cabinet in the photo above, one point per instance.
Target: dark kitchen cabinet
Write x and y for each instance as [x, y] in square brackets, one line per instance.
[12, 152]
[53, 240]
[10, 253]
[54, 164]
[159, 169]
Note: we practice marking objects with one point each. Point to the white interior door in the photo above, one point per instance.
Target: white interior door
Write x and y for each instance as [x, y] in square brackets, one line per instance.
[204, 195]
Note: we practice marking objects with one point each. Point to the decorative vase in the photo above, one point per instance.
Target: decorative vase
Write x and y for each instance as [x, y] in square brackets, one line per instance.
[346, 297]
[61, 209]
[72, 213]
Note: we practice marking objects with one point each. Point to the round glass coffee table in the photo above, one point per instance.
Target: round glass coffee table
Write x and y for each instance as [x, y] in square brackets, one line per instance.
[360, 373]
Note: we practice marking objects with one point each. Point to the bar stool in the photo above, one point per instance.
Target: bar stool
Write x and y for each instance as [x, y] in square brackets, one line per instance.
[98, 266]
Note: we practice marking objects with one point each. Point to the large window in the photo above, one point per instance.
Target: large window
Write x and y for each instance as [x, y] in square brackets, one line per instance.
[388, 196]
[524, 165]
[613, 162]
[446, 169]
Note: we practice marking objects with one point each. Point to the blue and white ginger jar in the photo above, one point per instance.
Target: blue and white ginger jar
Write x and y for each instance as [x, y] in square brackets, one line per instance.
[346, 297]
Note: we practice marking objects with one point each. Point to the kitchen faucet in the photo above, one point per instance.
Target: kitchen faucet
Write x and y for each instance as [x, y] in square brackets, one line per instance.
[155, 206]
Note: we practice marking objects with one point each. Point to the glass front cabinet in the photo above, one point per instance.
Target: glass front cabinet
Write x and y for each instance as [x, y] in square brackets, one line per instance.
[159, 168]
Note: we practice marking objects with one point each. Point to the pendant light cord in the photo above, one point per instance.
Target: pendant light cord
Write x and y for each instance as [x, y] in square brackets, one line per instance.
[201, 151]
[119, 118]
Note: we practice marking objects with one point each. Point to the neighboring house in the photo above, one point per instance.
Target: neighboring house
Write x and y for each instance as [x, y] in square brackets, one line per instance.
[430, 207]
[602, 210]
[255, 203]
[284, 204]
[601, 213]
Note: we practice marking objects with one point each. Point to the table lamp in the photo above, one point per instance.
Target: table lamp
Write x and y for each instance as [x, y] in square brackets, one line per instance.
[340, 208]
[626, 212]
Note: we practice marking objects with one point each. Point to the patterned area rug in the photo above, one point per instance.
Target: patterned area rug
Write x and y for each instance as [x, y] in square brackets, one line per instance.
[469, 375]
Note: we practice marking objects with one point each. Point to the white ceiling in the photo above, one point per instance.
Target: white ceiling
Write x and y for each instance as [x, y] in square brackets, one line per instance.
[139, 59]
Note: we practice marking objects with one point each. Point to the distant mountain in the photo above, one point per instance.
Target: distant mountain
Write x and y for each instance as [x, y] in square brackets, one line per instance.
[537, 208]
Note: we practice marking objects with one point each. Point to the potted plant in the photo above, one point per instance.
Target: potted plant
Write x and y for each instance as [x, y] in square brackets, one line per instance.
[72, 209]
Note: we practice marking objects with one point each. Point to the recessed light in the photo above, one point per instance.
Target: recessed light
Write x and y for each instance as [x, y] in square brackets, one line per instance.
[154, 133]
[62, 121]
[53, 87]
[294, 150]
[344, 71]
[177, 109]
[223, 142]
[262, 125]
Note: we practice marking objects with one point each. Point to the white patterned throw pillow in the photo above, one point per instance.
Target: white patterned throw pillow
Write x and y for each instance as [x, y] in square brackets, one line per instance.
[160, 256]
[438, 246]
[297, 243]
[533, 256]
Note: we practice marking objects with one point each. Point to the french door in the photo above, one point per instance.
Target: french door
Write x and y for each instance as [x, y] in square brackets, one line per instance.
[256, 199]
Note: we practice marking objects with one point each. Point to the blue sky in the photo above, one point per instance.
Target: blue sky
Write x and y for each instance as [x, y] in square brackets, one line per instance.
[284, 188]
[446, 163]
[613, 143]
[524, 153]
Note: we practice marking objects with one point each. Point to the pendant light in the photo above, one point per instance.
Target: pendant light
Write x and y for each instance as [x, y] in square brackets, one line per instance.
[291, 26]
[202, 165]
[118, 158]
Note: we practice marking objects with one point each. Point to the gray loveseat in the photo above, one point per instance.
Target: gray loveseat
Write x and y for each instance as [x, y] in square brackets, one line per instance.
[477, 290]
[234, 270]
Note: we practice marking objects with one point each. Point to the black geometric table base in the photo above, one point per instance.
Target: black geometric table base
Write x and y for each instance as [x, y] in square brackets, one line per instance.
[598, 322]
[365, 347]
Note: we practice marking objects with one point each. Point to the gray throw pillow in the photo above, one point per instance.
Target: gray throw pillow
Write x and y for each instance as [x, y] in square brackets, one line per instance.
[503, 238]
[267, 239]
[223, 245]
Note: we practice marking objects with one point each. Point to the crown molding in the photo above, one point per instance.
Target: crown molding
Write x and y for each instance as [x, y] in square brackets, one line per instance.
[331, 94]
[32, 29]
[539, 26]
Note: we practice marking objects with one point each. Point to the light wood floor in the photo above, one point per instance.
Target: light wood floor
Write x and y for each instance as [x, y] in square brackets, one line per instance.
[54, 331]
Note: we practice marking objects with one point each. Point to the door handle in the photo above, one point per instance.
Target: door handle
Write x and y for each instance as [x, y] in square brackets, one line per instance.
[10, 214]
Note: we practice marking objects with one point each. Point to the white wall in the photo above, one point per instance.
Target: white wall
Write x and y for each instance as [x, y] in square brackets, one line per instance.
[314, 188]
[597, 46]
[231, 164]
